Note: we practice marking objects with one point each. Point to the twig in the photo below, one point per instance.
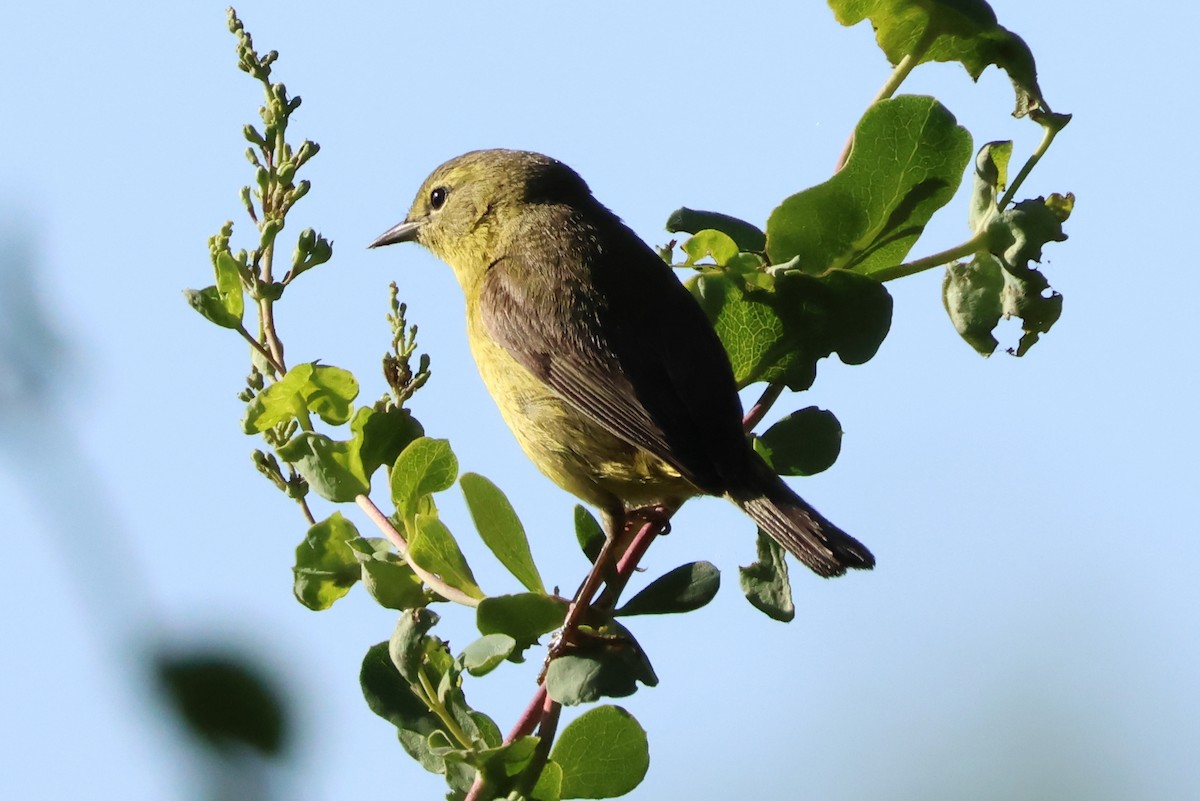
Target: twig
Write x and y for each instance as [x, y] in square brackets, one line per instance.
[530, 717]
[1051, 125]
[266, 354]
[308, 515]
[436, 584]
[968, 248]
[763, 405]
[542, 710]
[899, 73]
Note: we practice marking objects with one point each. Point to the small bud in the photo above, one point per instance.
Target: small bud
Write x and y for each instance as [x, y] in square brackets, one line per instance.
[252, 135]
[270, 229]
[322, 251]
[300, 191]
[307, 151]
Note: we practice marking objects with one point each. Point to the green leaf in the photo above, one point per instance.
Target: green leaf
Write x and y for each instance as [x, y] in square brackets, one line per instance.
[524, 616]
[326, 391]
[407, 647]
[549, 784]
[211, 306]
[332, 468]
[225, 700]
[991, 177]
[778, 335]
[382, 434]
[957, 30]
[908, 159]
[482, 656]
[229, 284]
[326, 567]
[1016, 236]
[747, 237]
[999, 282]
[433, 547]
[392, 698]
[765, 583]
[500, 529]
[1030, 298]
[971, 294]
[391, 582]
[708, 243]
[605, 662]
[425, 466]
[589, 533]
[603, 753]
[686, 588]
[801, 444]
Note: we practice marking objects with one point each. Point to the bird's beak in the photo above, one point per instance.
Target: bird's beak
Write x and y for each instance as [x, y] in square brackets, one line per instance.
[402, 232]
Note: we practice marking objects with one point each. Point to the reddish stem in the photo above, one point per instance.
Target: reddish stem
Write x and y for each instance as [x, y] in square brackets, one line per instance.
[531, 716]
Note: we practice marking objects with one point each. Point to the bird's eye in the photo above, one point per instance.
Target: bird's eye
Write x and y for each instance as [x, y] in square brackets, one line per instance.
[437, 198]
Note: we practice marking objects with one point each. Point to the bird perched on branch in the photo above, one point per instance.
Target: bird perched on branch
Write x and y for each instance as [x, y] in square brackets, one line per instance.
[603, 365]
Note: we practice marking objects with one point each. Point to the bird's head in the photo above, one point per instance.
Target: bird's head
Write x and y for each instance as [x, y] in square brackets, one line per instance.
[468, 209]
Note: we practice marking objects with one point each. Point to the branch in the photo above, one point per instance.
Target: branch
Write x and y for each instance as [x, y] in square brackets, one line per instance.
[970, 247]
[542, 709]
[436, 584]
[899, 73]
[760, 408]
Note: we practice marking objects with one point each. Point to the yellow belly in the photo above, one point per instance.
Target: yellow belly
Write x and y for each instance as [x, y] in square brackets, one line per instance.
[575, 452]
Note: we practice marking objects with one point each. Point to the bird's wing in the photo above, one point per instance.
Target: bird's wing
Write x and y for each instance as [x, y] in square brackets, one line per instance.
[619, 337]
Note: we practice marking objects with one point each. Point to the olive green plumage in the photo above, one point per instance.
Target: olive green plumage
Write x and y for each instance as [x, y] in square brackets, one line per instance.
[601, 362]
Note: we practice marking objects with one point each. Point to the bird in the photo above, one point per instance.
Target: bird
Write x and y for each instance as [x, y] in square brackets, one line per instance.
[602, 364]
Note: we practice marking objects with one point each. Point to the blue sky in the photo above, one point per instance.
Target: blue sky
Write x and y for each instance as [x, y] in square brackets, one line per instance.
[1030, 631]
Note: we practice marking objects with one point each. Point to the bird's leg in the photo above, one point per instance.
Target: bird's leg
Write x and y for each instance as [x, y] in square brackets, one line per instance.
[643, 525]
[615, 522]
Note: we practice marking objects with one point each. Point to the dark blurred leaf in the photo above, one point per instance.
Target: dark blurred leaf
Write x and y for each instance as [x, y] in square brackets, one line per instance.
[603, 753]
[765, 583]
[226, 701]
[684, 589]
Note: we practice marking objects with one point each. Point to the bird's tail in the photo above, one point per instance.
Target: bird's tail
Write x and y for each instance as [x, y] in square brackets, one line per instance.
[790, 521]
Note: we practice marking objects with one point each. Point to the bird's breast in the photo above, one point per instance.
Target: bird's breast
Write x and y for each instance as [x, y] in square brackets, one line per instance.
[565, 442]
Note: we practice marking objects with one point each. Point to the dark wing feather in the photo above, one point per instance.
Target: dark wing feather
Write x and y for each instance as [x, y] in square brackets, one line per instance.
[610, 328]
